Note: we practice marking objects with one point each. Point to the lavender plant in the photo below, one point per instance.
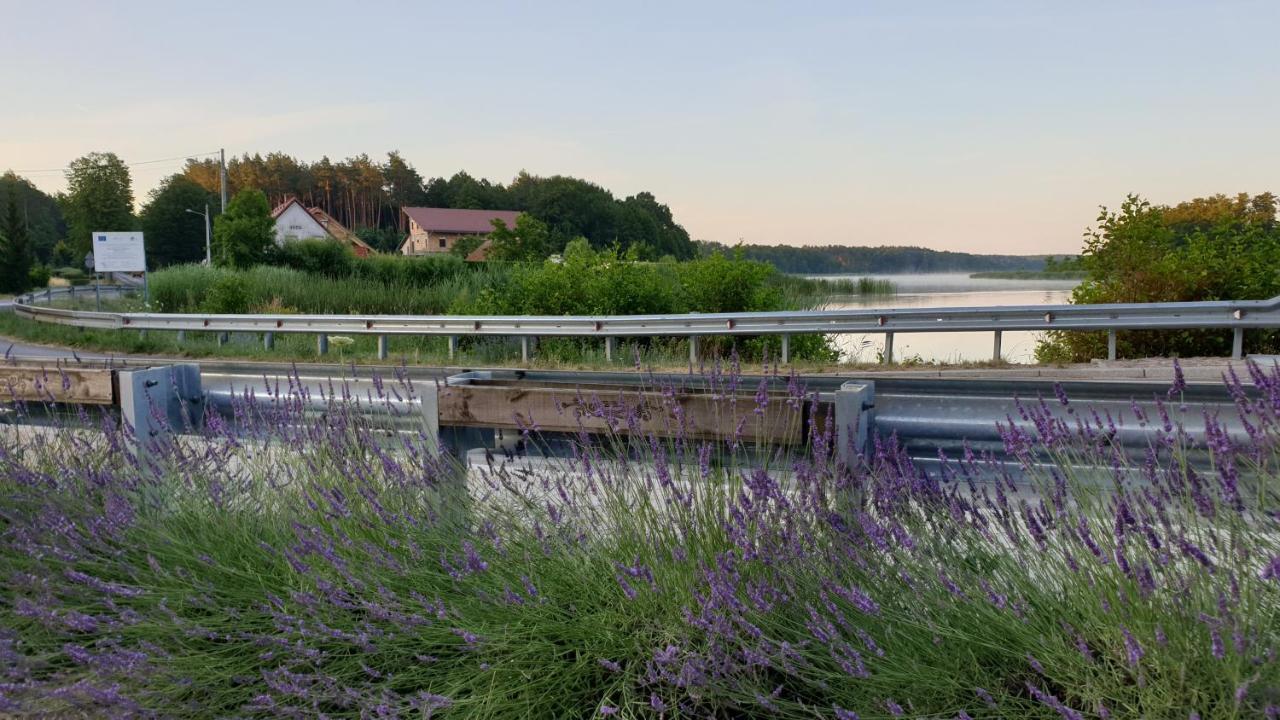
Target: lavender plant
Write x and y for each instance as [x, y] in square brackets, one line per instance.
[295, 562]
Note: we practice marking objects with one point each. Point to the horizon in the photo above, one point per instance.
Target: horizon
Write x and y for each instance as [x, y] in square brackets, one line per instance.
[991, 129]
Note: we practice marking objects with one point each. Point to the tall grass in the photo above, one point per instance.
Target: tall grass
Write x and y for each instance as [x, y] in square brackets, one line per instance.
[266, 288]
[299, 568]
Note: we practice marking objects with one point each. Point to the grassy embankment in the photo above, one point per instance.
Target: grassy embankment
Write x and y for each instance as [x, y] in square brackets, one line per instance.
[445, 287]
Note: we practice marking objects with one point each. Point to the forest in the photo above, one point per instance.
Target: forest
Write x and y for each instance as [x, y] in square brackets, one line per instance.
[846, 259]
[367, 196]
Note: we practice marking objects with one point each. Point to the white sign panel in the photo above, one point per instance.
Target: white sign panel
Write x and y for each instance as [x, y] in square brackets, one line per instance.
[119, 252]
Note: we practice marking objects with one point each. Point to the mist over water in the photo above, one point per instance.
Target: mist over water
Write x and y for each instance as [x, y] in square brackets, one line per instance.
[949, 290]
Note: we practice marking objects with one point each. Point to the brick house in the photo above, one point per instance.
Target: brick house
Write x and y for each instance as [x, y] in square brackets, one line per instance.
[437, 230]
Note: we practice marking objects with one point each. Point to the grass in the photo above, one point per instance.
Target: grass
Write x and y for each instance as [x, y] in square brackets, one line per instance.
[327, 567]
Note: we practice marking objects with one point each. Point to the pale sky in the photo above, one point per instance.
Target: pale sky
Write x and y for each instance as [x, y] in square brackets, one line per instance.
[978, 126]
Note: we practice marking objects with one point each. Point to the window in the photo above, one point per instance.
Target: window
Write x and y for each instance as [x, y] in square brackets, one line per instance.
[443, 242]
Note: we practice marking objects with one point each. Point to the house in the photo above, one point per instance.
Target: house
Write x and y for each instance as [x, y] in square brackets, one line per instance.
[437, 230]
[295, 222]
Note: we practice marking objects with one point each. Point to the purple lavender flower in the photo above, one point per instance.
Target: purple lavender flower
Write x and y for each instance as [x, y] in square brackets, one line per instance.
[894, 708]
[608, 710]
[1133, 651]
[610, 665]
[842, 714]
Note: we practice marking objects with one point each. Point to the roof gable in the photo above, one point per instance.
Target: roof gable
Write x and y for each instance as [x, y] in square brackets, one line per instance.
[455, 220]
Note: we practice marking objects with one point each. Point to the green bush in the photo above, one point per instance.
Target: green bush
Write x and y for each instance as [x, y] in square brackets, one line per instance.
[228, 295]
[318, 256]
[1215, 248]
[39, 276]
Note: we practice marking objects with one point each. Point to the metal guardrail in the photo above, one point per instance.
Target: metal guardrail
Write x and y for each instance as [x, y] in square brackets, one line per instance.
[1234, 315]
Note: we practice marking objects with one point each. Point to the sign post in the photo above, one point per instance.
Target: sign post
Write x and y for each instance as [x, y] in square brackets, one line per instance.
[121, 252]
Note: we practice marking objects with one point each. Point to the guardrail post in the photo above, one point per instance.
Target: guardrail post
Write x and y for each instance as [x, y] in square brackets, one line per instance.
[995, 352]
[855, 404]
[1111, 344]
[382, 347]
[71, 290]
[1237, 343]
[182, 336]
[97, 297]
[786, 348]
[322, 344]
[693, 350]
[608, 348]
[161, 401]
[524, 349]
[268, 340]
[48, 296]
[888, 349]
[453, 346]
[222, 339]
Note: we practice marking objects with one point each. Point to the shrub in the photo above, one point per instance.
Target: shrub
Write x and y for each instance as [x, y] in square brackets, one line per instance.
[318, 256]
[39, 276]
[228, 295]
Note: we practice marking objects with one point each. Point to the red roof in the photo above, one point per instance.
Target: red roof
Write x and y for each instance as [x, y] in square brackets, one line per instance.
[459, 221]
[285, 206]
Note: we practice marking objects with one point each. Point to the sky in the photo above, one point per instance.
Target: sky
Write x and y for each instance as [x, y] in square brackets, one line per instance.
[995, 127]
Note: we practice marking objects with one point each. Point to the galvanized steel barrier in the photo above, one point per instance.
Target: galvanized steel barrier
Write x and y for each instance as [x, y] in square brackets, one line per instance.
[1112, 318]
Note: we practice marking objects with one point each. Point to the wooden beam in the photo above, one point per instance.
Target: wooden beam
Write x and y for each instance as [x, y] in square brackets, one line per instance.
[700, 415]
[36, 383]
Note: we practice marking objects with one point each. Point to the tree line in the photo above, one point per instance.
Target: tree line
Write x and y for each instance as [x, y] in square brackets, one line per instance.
[367, 196]
[843, 259]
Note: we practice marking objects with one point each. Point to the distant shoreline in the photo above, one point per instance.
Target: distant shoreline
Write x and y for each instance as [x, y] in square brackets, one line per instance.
[1027, 275]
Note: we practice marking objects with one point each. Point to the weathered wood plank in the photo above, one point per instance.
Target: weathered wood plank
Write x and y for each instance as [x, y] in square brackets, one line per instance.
[695, 415]
[35, 383]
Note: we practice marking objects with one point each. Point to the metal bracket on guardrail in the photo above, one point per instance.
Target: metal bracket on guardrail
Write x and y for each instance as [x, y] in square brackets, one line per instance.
[160, 401]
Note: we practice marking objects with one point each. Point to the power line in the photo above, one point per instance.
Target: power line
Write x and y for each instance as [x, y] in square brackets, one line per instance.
[133, 164]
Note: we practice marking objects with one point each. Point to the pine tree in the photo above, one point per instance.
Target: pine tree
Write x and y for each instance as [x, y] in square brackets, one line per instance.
[15, 251]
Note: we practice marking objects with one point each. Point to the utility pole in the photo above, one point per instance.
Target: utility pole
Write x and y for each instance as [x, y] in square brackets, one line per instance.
[222, 176]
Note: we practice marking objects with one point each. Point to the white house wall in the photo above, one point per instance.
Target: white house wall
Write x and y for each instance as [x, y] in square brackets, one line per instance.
[295, 223]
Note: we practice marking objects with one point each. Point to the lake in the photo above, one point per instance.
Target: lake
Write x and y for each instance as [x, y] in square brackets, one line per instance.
[948, 290]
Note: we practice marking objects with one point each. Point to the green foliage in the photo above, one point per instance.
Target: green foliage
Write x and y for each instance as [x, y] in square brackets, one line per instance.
[1215, 248]
[39, 276]
[319, 256]
[244, 235]
[99, 198]
[173, 235]
[40, 214]
[16, 256]
[384, 240]
[229, 294]
[529, 240]
[467, 244]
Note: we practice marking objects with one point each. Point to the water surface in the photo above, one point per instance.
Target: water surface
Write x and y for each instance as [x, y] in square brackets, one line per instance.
[949, 290]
